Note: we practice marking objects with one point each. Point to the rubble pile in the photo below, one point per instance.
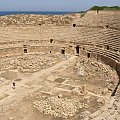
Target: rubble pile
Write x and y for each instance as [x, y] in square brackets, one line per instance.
[34, 63]
[29, 63]
[35, 20]
[86, 67]
[110, 111]
[58, 107]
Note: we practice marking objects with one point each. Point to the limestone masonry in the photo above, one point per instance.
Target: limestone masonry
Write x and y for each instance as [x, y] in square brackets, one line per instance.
[65, 67]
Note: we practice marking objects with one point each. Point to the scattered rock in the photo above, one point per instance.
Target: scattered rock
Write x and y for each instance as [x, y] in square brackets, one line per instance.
[58, 107]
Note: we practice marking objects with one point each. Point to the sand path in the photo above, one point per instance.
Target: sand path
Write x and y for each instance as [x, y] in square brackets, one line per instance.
[22, 89]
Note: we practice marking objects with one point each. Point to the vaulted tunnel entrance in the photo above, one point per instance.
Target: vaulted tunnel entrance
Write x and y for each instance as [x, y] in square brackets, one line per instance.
[88, 55]
[77, 50]
[25, 50]
[107, 47]
[51, 40]
[62, 51]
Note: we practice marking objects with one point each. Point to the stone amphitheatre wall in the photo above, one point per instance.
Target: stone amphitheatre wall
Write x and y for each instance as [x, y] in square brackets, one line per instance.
[32, 47]
[107, 56]
[7, 52]
[103, 12]
[101, 44]
[107, 46]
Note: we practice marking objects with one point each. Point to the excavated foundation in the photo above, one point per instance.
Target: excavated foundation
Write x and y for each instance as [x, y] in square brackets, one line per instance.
[60, 67]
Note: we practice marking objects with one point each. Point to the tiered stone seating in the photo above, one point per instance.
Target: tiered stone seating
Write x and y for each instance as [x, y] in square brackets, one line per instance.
[110, 54]
[109, 38]
[92, 32]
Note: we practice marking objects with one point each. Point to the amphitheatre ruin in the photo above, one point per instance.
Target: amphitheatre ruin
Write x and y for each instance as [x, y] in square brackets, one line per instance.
[65, 67]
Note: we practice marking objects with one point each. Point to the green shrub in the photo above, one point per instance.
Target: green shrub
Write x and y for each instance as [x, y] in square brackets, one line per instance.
[105, 8]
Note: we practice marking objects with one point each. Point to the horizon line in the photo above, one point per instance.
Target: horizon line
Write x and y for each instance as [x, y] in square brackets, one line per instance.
[34, 11]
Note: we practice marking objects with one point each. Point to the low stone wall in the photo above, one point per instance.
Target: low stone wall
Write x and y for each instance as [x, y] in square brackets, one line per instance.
[108, 12]
[103, 12]
[43, 49]
[108, 61]
[46, 49]
[63, 48]
[11, 52]
[118, 68]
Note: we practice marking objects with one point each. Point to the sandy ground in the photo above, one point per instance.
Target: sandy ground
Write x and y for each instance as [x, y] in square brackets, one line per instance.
[17, 104]
[15, 95]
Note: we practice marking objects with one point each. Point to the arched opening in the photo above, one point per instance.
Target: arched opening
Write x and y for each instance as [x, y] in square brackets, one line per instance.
[88, 55]
[74, 25]
[77, 50]
[62, 51]
[51, 40]
[107, 47]
[25, 50]
[50, 51]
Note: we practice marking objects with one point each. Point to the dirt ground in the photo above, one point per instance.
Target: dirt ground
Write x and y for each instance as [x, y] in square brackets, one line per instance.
[67, 80]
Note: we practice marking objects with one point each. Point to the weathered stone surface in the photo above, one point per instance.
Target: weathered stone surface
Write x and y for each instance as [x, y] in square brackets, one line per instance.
[58, 107]
[61, 70]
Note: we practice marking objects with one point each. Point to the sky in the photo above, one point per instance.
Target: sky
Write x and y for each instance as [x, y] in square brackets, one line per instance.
[54, 5]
